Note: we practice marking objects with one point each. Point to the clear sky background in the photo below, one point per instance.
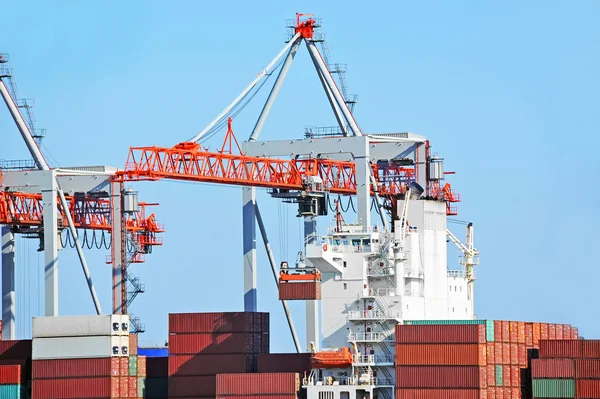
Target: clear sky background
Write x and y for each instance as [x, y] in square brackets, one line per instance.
[507, 92]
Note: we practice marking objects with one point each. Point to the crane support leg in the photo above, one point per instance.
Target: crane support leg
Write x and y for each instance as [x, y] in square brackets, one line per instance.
[8, 284]
[249, 245]
[312, 307]
[117, 247]
[49, 197]
[363, 192]
[286, 309]
[275, 90]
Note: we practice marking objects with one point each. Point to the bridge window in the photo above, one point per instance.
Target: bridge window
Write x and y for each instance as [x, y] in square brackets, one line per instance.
[345, 286]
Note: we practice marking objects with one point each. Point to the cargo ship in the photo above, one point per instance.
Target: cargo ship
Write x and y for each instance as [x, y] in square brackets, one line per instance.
[386, 316]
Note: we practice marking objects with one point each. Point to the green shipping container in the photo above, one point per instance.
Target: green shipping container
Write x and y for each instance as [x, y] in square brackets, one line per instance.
[141, 387]
[12, 392]
[133, 366]
[499, 376]
[489, 325]
[553, 388]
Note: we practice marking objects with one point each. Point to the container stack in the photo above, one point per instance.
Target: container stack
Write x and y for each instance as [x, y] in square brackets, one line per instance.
[202, 345]
[567, 369]
[136, 369]
[258, 386]
[15, 369]
[81, 357]
[299, 290]
[156, 383]
[504, 372]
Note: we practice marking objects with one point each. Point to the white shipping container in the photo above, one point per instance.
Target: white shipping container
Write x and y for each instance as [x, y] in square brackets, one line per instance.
[80, 347]
[80, 326]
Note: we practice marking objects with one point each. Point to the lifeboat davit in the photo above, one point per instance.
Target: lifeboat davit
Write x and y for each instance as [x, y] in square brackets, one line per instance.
[342, 358]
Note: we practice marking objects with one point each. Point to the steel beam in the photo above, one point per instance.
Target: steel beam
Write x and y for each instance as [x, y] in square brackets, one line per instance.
[312, 307]
[8, 284]
[116, 238]
[50, 213]
[249, 245]
[275, 90]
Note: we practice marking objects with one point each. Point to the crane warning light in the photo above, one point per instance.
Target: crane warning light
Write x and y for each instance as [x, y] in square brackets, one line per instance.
[306, 27]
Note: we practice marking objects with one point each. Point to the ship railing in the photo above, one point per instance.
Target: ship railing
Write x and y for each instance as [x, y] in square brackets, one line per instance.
[375, 381]
[368, 336]
[456, 274]
[372, 314]
[415, 293]
[382, 292]
[373, 359]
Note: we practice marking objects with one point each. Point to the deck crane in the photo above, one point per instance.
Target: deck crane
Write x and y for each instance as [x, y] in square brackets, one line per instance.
[469, 259]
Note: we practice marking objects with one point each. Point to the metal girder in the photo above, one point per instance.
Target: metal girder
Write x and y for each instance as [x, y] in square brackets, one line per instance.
[8, 283]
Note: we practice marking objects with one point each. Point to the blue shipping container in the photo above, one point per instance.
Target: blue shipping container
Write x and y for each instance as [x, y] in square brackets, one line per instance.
[153, 352]
[12, 392]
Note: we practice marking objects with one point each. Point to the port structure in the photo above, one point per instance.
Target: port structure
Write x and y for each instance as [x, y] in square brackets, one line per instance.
[33, 203]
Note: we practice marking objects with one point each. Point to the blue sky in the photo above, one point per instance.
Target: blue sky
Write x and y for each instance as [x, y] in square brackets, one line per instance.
[505, 91]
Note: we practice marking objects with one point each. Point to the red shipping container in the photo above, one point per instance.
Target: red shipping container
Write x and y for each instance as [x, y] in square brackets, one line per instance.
[491, 353]
[124, 386]
[483, 394]
[437, 394]
[307, 290]
[483, 377]
[560, 329]
[440, 377]
[223, 322]
[529, 334]
[552, 331]
[288, 396]
[523, 356]
[133, 344]
[11, 374]
[440, 354]
[157, 366]
[544, 331]
[284, 363]
[124, 366]
[192, 386]
[65, 368]
[553, 368]
[15, 350]
[491, 376]
[537, 333]
[589, 389]
[505, 331]
[440, 334]
[575, 333]
[521, 332]
[516, 393]
[260, 383]
[133, 387]
[498, 355]
[587, 368]
[506, 376]
[506, 353]
[141, 366]
[497, 331]
[514, 354]
[186, 365]
[590, 348]
[564, 348]
[68, 388]
[515, 378]
[491, 393]
[513, 327]
[218, 343]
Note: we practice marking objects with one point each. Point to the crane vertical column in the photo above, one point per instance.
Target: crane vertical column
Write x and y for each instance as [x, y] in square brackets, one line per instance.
[8, 284]
[249, 236]
[50, 214]
[312, 306]
[117, 246]
[421, 164]
[363, 192]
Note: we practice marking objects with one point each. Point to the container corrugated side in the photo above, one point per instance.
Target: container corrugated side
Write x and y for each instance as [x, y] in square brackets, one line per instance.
[67, 388]
[224, 322]
[440, 334]
[218, 343]
[13, 391]
[141, 366]
[561, 349]
[587, 368]
[553, 388]
[258, 384]
[553, 368]
[132, 387]
[284, 363]
[439, 377]
[64, 368]
[441, 354]
[132, 366]
[79, 347]
[192, 386]
[590, 348]
[190, 365]
[78, 326]
[499, 374]
[438, 394]
[306, 290]
[156, 387]
[588, 389]
[133, 344]
[141, 387]
[11, 374]
[15, 350]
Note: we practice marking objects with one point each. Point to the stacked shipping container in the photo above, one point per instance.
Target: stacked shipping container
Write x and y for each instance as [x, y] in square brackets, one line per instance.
[258, 386]
[202, 345]
[157, 373]
[567, 369]
[15, 369]
[81, 357]
[473, 358]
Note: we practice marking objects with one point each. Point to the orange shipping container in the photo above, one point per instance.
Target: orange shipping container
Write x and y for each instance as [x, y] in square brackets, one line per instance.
[506, 376]
[491, 375]
[521, 332]
[514, 354]
[483, 377]
[491, 392]
[505, 353]
[575, 333]
[552, 331]
[515, 379]
[498, 355]
[537, 333]
[529, 335]
[560, 331]
[516, 393]
[523, 356]
[514, 331]
[543, 330]
[440, 354]
[505, 331]
[483, 394]
[491, 358]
